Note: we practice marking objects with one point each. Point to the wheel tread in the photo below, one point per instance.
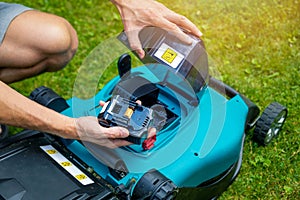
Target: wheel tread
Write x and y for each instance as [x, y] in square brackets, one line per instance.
[264, 123]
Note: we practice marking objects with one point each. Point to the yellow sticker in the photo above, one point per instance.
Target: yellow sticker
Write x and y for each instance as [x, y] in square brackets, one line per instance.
[169, 55]
[81, 176]
[66, 164]
[51, 151]
[128, 112]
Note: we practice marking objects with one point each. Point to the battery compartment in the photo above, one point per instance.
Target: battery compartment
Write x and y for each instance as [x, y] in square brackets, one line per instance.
[139, 88]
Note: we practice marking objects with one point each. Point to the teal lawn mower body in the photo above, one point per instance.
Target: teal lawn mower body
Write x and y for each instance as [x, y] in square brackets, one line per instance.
[187, 152]
[197, 149]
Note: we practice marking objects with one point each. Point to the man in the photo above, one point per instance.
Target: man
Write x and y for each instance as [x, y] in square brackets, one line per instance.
[33, 42]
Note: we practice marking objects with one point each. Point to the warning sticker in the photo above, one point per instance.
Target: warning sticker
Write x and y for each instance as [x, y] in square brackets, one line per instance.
[169, 55]
[51, 151]
[81, 177]
[67, 165]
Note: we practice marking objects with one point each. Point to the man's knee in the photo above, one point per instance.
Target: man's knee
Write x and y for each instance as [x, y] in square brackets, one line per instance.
[62, 44]
[43, 37]
[36, 42]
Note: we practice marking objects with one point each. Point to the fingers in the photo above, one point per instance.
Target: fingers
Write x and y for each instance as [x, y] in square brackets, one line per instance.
[88, 128]
[115, 132]
[173, 28]
[135, 43]
[151, 132]
[102, 103]
[139, 102]
[138, 14]
[180, 21]
[186, 24]
[174, 23]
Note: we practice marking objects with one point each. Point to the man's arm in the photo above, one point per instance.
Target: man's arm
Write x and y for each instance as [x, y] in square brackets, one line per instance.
[17, 110]
[138, 14]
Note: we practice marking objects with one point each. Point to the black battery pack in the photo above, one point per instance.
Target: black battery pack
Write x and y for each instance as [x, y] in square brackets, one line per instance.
[129, 114]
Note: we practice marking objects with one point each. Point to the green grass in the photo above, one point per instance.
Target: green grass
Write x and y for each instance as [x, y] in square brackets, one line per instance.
[255, 46]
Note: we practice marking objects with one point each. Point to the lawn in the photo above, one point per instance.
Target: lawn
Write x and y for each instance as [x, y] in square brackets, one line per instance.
[255, 48]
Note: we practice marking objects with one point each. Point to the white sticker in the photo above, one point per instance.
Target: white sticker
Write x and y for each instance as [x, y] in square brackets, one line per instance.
[169, 55]
[67, 165]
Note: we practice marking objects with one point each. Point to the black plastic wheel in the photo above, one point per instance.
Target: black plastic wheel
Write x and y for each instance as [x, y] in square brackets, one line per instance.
[155, 186]
[270, 123]
[48, 98]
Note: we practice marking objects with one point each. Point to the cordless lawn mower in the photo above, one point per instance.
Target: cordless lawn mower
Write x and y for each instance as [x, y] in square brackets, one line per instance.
[196, 152]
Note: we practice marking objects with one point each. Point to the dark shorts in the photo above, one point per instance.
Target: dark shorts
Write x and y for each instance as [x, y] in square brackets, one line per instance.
[8, 12]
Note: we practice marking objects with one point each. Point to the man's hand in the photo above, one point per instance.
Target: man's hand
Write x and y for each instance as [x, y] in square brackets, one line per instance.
[138, 14]
[88, 129]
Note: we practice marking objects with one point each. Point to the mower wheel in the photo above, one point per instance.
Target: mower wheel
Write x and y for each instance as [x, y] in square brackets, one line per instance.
[48, 98]
[270, 123]
[153, 185]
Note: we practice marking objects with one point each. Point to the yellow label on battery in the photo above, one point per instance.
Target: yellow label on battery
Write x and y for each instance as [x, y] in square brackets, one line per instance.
[169, 55]
[128, 112]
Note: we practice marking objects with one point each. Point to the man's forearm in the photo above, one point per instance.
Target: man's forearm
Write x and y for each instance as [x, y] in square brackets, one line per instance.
[17, 110]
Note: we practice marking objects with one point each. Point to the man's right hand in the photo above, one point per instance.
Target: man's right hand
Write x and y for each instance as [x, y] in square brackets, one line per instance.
[88, 129]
